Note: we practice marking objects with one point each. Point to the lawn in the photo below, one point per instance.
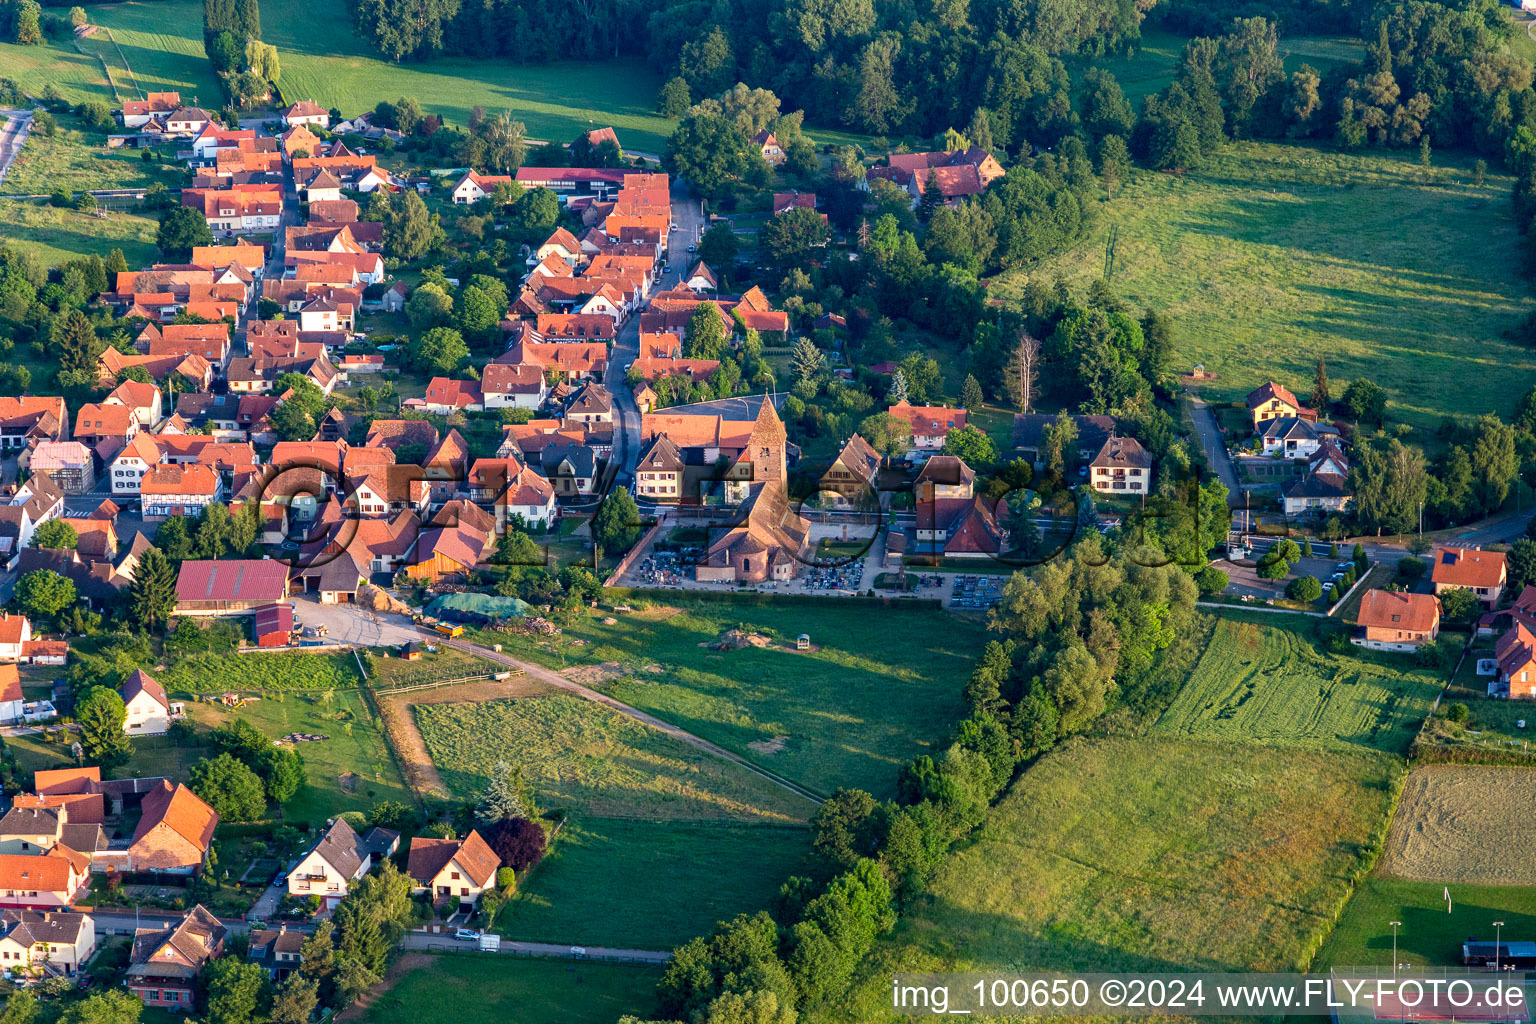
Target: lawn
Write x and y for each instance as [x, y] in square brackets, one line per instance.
[1275, 684]
[1501, 729]
[881, 686]
[349, 771]
[1429, 935]
[1146, 855]
[594, 760]
[1463, 823]
[58, 235]
[76, 159]
[573, 895]
[261, 673]
[444, 663]
[1248, 257]
[513, 989]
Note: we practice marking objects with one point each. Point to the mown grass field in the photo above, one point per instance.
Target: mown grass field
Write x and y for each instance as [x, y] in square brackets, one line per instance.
[76, 159]
[1274, 684]
[1146, 855]
[1463, 823]
[502, 989]
[1153, 66]
[59, 235]
[1429, 936]
[261, 673]
[593, 760]
[884, 685]
[1276, 254]
[660, 868]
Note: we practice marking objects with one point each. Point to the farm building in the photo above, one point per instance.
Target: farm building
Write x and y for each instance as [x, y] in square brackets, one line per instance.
[232, 587]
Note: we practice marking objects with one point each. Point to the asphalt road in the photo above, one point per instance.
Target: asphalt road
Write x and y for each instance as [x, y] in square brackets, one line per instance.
[448, 944]
[18, 123]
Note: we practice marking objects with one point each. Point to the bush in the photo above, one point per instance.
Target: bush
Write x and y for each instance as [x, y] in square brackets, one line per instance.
[1305, 588]
[506, 880]
[1272, 567]
[1411, 568]
[1457, 711]
[1211, 580]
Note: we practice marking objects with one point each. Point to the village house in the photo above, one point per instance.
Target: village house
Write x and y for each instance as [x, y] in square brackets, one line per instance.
[931, 424]
[164, 962]
[851, 481]
[30, 418]
[277, 951]
[449, 868]
[306, 112]
[156, 106]
[1481, 572]
[149, 711]
[508, 386]
[1515, 655]
[33, 942]
[473, 187]
[11, 700]
[1122, 466]
[68, 463]
[338, 858]
[1391, 620]
[660, 471]
[768, 145]
[956, 173]
[178, 490]
[47, 880]
[174, 831]
[1271, 401]
[1323, 488]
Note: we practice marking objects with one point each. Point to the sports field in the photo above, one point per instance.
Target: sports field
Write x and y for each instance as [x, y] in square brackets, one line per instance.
[1274, 684]
[1248, 256]
[1430, 935]
[587, 757]
[1464, 823]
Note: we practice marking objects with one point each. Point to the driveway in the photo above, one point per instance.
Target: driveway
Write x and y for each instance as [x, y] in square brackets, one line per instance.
[1215, 448]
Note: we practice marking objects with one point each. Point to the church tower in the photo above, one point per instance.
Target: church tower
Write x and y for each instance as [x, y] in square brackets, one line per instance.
[766, 448]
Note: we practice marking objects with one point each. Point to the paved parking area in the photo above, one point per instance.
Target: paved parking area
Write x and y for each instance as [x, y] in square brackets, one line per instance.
[1246, 582]
[352, 624]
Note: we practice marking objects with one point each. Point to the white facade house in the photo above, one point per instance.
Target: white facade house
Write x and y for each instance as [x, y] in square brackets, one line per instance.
[32, 940]
[336, 860]
[149, 711]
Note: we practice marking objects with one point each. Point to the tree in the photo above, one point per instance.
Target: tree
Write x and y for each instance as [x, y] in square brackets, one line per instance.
[506, 145]
[1023, 373]
[440, 350]
[181, 229]
[43, 593]
[887, 434]
[152, 594]
[705, 337]
[1114, 163]
[970, 393]
[230, 788]
[789, 238]
[100, 714]
[112, 1006]
[478, 314]
[844, 829]
[410, 232]
[73, 342]
[1459, 604]
[616, 525]
[26, 27]
[806, 360]
[754, 1007]
[281, 771]
[233, 989]
[673, 100]
[972, 445]
[1320, 398]
[430, 305]
[503, 798]
[1304, 588]
[718, 248]
[709, 152]
[519, 842]
[1058, 443]
[1365, 401]
[173, 537]
[293, 422]
[898, 393]
[295, 1000]
[55, 534]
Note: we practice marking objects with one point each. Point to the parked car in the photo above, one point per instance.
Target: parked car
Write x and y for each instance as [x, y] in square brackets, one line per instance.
[467, 935]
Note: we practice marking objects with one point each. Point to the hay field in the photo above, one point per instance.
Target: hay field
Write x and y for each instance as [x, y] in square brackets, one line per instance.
[1464, 823]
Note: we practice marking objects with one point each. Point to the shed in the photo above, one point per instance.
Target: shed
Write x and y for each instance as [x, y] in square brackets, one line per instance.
[411, 651]
[273, 625]
[803, 642]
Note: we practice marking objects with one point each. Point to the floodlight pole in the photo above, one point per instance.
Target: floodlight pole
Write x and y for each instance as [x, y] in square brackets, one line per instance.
[1395, 926]
[1498, 932]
